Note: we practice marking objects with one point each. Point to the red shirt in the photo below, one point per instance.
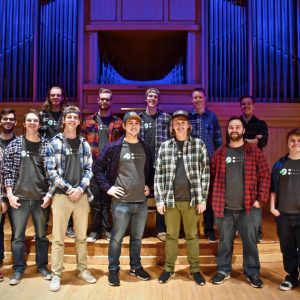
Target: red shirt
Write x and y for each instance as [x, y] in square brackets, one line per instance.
[256, 178]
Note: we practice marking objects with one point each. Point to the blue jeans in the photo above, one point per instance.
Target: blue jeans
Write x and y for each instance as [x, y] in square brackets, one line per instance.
[247, 226]
[19, 218]
[124, 214]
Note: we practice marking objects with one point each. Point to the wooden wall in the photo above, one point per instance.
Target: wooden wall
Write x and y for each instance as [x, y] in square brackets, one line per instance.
[280, 117]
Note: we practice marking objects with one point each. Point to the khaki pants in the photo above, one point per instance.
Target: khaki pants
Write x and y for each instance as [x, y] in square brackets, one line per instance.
[62, 209]
[190, 218]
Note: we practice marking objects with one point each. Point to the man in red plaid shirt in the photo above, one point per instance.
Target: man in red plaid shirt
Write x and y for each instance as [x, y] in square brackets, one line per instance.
[240, 186]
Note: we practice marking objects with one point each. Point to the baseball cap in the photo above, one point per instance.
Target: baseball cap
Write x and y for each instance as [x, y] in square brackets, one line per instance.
[180, 113]
[131, 115]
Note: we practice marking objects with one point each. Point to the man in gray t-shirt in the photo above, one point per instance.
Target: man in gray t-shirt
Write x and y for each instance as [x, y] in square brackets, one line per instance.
[122, 171]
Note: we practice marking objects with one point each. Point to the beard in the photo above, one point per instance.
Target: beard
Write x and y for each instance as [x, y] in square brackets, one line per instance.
[235, 136]
[7, 130]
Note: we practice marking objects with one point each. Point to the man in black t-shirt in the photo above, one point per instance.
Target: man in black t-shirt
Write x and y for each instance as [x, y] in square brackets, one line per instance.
[8, 122]
[285, 206]
[256, 132]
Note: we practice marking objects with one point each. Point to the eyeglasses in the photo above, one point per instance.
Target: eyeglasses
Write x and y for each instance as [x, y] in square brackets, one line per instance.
[104, 99]
[8, 119]
[57, 95]
[32, 120]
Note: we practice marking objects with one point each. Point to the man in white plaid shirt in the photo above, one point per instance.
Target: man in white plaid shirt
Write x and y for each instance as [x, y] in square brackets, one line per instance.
[181, 188]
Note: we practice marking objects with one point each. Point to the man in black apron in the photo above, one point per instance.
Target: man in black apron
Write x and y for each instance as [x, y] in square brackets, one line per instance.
[26, 186]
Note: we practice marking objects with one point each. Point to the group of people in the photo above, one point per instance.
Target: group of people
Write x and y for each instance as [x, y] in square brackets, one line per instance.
[102, 162]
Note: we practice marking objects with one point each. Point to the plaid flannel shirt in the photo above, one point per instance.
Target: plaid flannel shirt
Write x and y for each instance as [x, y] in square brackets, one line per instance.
[207, 128]
[90, 130]
[162, 124]
[196, 165]
[1, 177]
[256, 178]
[12, 161]
[55, 164]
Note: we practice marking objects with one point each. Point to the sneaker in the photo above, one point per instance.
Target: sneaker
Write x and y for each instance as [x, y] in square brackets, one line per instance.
[162, 236]
[211, 238]
[255, 281]
[165, 276]
[286, 286]
[70, 232]
[219, 278]
[198, 278]
[15, 278]
[87, 276]
[140, 273]
[45, 273]
[92, 238]
[106, 235]
[113, 278]
[54, 284]
[1, 277]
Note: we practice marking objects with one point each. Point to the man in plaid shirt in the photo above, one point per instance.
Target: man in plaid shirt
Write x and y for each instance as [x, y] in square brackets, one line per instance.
[155, 130]
[181, 187]
[99, 129]
[240, 186]
[206, 127]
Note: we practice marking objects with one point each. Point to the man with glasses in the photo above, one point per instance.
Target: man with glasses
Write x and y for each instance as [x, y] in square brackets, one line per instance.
[69, 166]
[26, 186]
[206, 127]
[99, 129]
[8, 123]
[256, 132]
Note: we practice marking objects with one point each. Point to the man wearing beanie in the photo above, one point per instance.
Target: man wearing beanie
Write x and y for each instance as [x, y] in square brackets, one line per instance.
[69, 166]
[155, 130]
[122, 172]
[181, 188]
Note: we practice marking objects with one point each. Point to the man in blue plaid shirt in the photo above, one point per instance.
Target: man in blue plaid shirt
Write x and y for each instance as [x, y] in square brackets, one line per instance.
[181, 186]
[206, 127]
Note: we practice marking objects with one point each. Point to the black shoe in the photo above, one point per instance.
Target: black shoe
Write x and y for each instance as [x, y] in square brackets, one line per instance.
[211, 237]
[255, 281]
[70, 232]
[46, 274]
[219, 278]
[165, 276]
[140, 273]
[113, 278]
[288, 284]
[198, 278]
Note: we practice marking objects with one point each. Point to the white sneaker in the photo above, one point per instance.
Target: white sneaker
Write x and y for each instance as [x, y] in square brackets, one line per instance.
[87, 276]
[54, 284]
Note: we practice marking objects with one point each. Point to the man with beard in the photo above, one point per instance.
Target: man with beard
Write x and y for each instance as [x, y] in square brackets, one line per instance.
[99, 129]
[206, 127]
[240, 186]
[154, 131]
[256, 132]
[8, 123]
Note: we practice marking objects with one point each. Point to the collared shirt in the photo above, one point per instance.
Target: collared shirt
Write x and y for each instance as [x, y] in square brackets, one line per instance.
[55, 163]
[256, 127]
[256, 178]
[207, 128]
[196, 164]
[90, 130]
[162, 123]
[12, 161]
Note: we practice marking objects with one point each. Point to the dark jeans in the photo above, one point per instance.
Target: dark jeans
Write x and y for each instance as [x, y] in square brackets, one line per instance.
[208, 217]
[247, 225]
[160, 223]
[2, 236]
[288, 231]
[19, 218]
[100, 222]
[124, 214]
[100, 209]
